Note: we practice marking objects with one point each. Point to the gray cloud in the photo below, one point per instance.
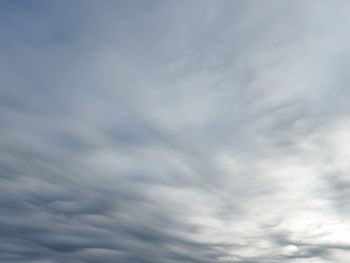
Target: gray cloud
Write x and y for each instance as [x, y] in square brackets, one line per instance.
[163, 131]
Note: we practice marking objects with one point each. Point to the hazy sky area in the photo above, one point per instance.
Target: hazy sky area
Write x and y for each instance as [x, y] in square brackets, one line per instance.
[175, 131]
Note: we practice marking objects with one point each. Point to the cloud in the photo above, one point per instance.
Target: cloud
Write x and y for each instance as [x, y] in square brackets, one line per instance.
[160, 131]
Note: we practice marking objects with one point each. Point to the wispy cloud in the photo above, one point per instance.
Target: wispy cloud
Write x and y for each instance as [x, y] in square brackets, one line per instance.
[167, 131]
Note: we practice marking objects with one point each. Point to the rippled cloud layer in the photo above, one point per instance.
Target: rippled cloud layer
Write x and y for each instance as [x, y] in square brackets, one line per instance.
[174, 131]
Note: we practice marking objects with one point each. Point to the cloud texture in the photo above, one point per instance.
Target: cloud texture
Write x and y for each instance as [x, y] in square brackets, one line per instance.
[174, 131]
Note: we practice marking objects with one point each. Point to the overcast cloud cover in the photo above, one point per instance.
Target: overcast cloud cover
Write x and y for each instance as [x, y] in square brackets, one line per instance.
[174, 131]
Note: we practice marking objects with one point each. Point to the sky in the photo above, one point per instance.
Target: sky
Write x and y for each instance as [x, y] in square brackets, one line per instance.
[197, 131]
